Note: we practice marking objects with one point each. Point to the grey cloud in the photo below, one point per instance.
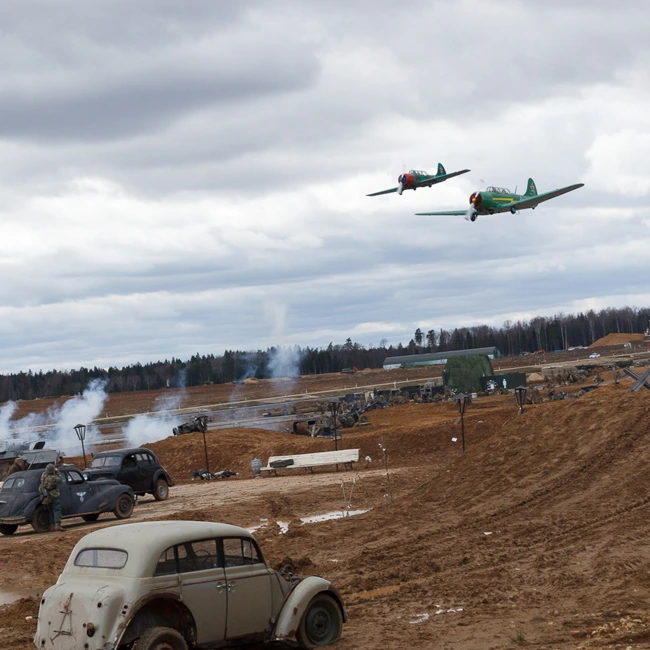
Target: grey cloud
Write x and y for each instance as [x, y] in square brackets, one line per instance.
[281, 118]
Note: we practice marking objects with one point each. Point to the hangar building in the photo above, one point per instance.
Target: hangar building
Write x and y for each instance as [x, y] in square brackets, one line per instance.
[435, 358]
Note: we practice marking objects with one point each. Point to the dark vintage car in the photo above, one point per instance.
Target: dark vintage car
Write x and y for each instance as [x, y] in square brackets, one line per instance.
[20, 501]
[138, 468]
[197, 423]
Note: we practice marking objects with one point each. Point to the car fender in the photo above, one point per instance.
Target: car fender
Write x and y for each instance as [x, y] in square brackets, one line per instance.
[297, 602]
[28, 510]
[105, 500]
[162, 473]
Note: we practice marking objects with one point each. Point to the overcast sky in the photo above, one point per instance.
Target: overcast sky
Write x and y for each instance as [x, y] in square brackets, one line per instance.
[183, 177]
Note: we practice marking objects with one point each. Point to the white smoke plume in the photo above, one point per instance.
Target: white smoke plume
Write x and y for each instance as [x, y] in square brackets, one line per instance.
[59, 420]
[6, 412]
[157, 424]
[284, 362]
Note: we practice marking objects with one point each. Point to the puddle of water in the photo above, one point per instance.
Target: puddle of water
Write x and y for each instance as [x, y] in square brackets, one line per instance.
[337, 514]
[284, 525]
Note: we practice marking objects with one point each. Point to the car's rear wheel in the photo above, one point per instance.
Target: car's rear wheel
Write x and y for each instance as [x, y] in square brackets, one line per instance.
[41, 519]
[321, 623]
[123, 506]
[162, 490]
[161, 638]
[7, 529]
[91, 517]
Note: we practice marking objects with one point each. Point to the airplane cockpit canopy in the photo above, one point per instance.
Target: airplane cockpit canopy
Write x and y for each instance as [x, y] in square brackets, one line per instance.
[416, 171]
[498, 190]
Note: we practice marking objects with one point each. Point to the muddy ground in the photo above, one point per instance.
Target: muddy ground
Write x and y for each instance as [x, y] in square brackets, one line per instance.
[536, 537]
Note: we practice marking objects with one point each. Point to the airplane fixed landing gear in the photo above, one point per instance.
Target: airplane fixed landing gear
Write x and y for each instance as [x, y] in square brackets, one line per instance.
[513, 210]
[473, 217]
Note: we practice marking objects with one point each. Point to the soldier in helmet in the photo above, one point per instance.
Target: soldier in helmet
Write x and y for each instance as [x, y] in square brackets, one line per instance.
[50, 481]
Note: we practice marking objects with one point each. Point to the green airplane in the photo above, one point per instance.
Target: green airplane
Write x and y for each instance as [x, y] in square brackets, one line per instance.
[414, 179]
[499, 199]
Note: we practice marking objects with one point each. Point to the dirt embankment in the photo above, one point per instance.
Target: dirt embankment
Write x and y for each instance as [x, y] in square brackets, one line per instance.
[536, 536]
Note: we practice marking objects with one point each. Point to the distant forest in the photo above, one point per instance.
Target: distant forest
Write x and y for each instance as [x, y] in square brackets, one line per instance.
[557, 333]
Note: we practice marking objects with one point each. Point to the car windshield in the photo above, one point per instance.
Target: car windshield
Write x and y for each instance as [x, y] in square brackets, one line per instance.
[101, 558]
[106, 461]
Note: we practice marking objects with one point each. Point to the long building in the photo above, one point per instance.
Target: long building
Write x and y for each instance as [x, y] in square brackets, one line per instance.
[435, 358]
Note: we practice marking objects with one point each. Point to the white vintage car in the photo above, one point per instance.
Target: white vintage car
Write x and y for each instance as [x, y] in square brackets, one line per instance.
[173, 585]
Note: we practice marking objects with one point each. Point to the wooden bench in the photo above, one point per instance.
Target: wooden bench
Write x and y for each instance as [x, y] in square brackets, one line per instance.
[343, 457]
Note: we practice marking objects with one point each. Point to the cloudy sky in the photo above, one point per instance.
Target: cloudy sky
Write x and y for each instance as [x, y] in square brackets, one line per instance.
[183, 177]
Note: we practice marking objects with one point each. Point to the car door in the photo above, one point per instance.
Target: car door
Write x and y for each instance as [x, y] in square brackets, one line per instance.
[249, 589]
[129, 473]
[145, 472]
[75, 492]
[203, 588]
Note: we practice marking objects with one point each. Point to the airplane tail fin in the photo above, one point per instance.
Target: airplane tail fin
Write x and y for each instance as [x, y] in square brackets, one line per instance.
[531, 188]
[441, 170]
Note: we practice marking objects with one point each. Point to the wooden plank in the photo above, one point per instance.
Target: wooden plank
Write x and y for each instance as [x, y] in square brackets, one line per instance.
[343, 456]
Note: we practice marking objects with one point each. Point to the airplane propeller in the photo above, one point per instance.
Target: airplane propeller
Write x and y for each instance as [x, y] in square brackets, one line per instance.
[400, 180]
[475, 200]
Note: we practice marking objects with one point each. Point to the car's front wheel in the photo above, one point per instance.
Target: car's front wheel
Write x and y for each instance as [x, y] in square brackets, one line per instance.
[123, 506]
[162, 490]
[94, 516]
[161, 638]
[321, 623]
[8, 529]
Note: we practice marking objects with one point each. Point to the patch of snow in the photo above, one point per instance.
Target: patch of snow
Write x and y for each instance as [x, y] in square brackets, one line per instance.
[420, 618]
[449, 611]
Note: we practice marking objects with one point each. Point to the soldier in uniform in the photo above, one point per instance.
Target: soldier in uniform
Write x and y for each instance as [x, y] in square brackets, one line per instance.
[50, 481]
[18, 465]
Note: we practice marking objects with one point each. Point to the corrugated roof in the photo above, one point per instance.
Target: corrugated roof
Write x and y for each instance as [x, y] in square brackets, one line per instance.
[437, 356]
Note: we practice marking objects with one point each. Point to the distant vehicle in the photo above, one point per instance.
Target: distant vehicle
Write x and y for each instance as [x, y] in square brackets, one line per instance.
[498, 199]
[594, 355]
[170, 585]
[20, 501]
[138, 468]
[197, 423]
[413, 179]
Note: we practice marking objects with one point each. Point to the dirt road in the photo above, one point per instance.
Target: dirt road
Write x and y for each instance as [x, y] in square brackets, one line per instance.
[536, 537]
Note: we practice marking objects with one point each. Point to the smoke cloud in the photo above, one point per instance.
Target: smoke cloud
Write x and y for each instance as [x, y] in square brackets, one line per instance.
[284, 362]
[59, 420]
[157, 424]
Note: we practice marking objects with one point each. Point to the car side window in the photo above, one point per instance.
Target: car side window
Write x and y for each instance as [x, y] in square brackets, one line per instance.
[129, 461]
[239, 551]
[166, 563]
[13, 484]
[151, 459]
[197, 556]
[74, 476]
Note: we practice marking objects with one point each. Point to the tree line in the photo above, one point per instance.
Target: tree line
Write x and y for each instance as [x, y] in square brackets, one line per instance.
[555, 333]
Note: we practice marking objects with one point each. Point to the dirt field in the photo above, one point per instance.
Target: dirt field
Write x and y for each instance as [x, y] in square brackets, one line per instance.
[536, 537]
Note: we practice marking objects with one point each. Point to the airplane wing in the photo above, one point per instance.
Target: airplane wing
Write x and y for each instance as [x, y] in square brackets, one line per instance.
[432, 180]
[449, 213]
[533, 201]
[390, 191]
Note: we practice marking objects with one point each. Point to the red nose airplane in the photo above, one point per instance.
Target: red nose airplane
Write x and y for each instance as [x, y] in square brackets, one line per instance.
[414, 179]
